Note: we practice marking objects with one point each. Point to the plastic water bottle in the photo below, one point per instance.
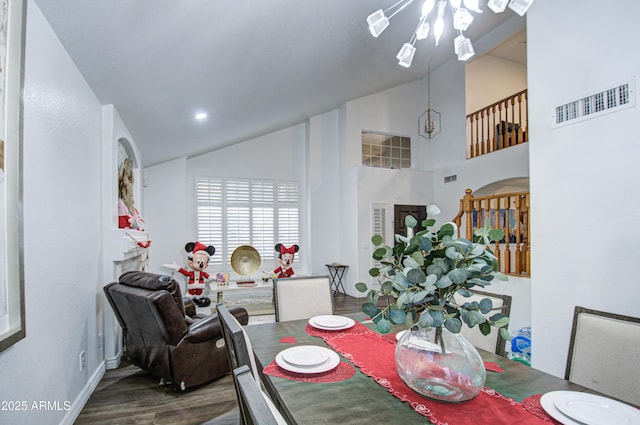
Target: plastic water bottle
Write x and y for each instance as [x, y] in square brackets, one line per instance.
[521, 346]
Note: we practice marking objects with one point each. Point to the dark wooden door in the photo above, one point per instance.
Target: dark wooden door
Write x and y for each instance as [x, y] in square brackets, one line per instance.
[401, 211]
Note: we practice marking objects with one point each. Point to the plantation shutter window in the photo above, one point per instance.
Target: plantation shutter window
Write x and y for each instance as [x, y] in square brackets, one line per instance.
[235, 212]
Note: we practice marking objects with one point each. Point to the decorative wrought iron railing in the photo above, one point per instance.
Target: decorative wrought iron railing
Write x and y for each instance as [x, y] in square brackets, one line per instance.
[498, 126]
[508, 212]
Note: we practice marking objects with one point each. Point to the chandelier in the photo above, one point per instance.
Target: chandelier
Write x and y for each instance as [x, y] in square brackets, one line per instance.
[429, 122]
[432, 16]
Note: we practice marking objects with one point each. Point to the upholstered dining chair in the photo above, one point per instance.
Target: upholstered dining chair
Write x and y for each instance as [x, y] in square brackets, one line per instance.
[302, 297]
[253, 402]
[604, 353]
[494, 341]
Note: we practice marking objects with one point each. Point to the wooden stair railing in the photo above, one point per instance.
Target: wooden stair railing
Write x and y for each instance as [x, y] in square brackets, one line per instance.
[498, 126]
[508, 212]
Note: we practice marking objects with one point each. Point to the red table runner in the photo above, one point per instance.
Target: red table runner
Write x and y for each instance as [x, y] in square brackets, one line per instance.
[375, 357]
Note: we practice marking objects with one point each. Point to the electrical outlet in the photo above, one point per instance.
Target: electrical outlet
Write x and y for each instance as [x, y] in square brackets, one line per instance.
[82, 360]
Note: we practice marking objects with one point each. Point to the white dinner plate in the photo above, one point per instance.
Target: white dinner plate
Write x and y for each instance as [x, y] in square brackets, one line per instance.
[592, 409]
[331, 323]
[305, 355]
[332, 360]
[547, 403]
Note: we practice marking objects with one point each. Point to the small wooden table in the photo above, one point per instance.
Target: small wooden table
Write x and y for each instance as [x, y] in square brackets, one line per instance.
[359, 399]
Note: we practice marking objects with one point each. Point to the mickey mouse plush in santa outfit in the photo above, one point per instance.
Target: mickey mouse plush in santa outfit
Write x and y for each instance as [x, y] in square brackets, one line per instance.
[285, 256]
[198, 255]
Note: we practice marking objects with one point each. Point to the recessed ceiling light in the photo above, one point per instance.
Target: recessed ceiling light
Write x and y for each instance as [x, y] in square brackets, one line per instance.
[200, 116]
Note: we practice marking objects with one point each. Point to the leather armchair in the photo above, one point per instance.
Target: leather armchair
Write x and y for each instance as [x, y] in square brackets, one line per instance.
[160, 338]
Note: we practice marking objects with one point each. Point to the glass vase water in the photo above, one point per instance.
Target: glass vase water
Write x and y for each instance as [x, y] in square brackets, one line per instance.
[439, 364]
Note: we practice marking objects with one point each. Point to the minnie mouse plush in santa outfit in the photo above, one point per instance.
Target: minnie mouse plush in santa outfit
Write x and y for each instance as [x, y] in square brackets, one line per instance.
[198, 255]
[285, 256]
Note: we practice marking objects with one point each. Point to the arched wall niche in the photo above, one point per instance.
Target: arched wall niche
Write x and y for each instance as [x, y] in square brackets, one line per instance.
[515, 184]
[129, 187]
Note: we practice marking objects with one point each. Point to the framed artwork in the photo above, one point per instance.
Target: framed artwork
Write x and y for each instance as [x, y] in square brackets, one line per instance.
[12, 34]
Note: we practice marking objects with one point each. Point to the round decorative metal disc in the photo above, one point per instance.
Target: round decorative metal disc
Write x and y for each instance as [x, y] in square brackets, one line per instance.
[245, 260]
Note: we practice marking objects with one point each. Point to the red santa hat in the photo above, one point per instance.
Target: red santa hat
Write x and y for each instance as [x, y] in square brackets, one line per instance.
[199, 249]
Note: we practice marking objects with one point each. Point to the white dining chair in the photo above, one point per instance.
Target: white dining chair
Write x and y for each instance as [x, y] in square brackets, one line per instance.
[604, 353]
[302, 297]
[493, 342]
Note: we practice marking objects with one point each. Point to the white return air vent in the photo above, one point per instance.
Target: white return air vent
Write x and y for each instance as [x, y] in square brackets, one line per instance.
[616, 97]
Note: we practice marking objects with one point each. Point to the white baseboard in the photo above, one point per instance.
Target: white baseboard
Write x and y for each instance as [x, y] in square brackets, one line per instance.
[78, 404]
[113, 362]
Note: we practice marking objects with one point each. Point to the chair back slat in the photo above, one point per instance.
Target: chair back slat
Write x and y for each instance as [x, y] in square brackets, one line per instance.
[254, 409]
[302, 297]
[494, 341]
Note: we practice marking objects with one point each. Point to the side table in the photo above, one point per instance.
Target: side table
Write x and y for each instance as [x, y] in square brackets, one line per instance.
[336, 272]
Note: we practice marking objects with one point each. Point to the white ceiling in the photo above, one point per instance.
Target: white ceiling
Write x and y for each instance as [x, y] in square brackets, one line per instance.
[254, 66]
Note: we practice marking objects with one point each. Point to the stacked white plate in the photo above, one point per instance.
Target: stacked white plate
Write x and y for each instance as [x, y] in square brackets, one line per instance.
[577, 408]
[331, 322]
[307, 359]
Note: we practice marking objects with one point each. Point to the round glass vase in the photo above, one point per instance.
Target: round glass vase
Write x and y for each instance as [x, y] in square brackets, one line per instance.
[439, 364]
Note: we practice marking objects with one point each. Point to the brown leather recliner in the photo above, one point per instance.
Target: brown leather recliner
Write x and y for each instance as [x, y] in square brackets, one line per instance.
[160, 338]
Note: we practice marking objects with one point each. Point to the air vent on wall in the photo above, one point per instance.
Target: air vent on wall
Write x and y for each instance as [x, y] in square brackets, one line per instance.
[616, 97]
[450, 179]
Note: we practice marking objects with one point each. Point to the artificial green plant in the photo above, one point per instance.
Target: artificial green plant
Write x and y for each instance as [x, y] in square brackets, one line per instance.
[422, 272]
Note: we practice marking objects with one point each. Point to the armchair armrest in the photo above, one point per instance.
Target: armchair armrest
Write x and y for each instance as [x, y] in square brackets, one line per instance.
[189, 306]
[210, 328]
[204, 330]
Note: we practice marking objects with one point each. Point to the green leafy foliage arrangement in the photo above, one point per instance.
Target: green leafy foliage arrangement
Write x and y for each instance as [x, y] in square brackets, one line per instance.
[423, 272]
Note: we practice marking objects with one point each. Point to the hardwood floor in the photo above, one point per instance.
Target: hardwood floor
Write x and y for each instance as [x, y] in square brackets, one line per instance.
[129, 396]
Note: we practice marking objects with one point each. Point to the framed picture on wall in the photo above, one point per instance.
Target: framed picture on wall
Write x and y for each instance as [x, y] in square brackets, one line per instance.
[12, 33]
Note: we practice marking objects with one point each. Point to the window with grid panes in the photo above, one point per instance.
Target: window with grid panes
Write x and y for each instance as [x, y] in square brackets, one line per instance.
[234, 212]
[385, 150]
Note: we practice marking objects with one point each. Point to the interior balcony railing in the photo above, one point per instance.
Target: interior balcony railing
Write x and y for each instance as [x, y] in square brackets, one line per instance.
[508, 212]
[498, 126]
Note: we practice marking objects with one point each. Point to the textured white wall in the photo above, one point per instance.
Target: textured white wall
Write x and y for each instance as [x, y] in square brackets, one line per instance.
[165, 206]
[323, 191]
[489, 79]
[62, 232]
[584, 176]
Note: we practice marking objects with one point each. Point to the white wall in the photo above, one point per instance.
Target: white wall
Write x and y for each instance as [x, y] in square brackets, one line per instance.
[165, 206]
[62, 233]
[490, 79]
[323, 191]
[393, 111]
[584, 177]
[279, 156]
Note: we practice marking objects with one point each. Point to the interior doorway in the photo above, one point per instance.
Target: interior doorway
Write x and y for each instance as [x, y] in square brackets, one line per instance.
[401, 211]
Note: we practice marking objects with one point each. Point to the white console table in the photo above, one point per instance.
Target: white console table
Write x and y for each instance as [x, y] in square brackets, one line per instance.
[214, 287]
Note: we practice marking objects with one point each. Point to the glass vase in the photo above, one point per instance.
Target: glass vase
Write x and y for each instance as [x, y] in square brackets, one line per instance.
[439, 364]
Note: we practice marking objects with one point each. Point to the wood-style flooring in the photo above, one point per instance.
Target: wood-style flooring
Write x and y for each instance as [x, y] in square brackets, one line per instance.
[128, 395]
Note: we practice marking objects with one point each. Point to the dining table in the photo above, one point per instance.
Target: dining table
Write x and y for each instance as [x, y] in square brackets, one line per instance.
[357, 397]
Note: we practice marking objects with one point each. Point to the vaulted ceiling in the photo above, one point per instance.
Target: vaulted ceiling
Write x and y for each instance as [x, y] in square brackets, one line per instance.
[252, 66]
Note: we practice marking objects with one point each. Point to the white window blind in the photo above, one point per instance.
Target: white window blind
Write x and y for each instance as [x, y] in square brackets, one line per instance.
[234, 212]
[378, 227]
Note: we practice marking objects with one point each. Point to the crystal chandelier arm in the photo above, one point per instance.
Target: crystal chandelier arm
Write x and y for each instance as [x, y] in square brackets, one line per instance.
[378, 22]
[401, 7]
[438, 26]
